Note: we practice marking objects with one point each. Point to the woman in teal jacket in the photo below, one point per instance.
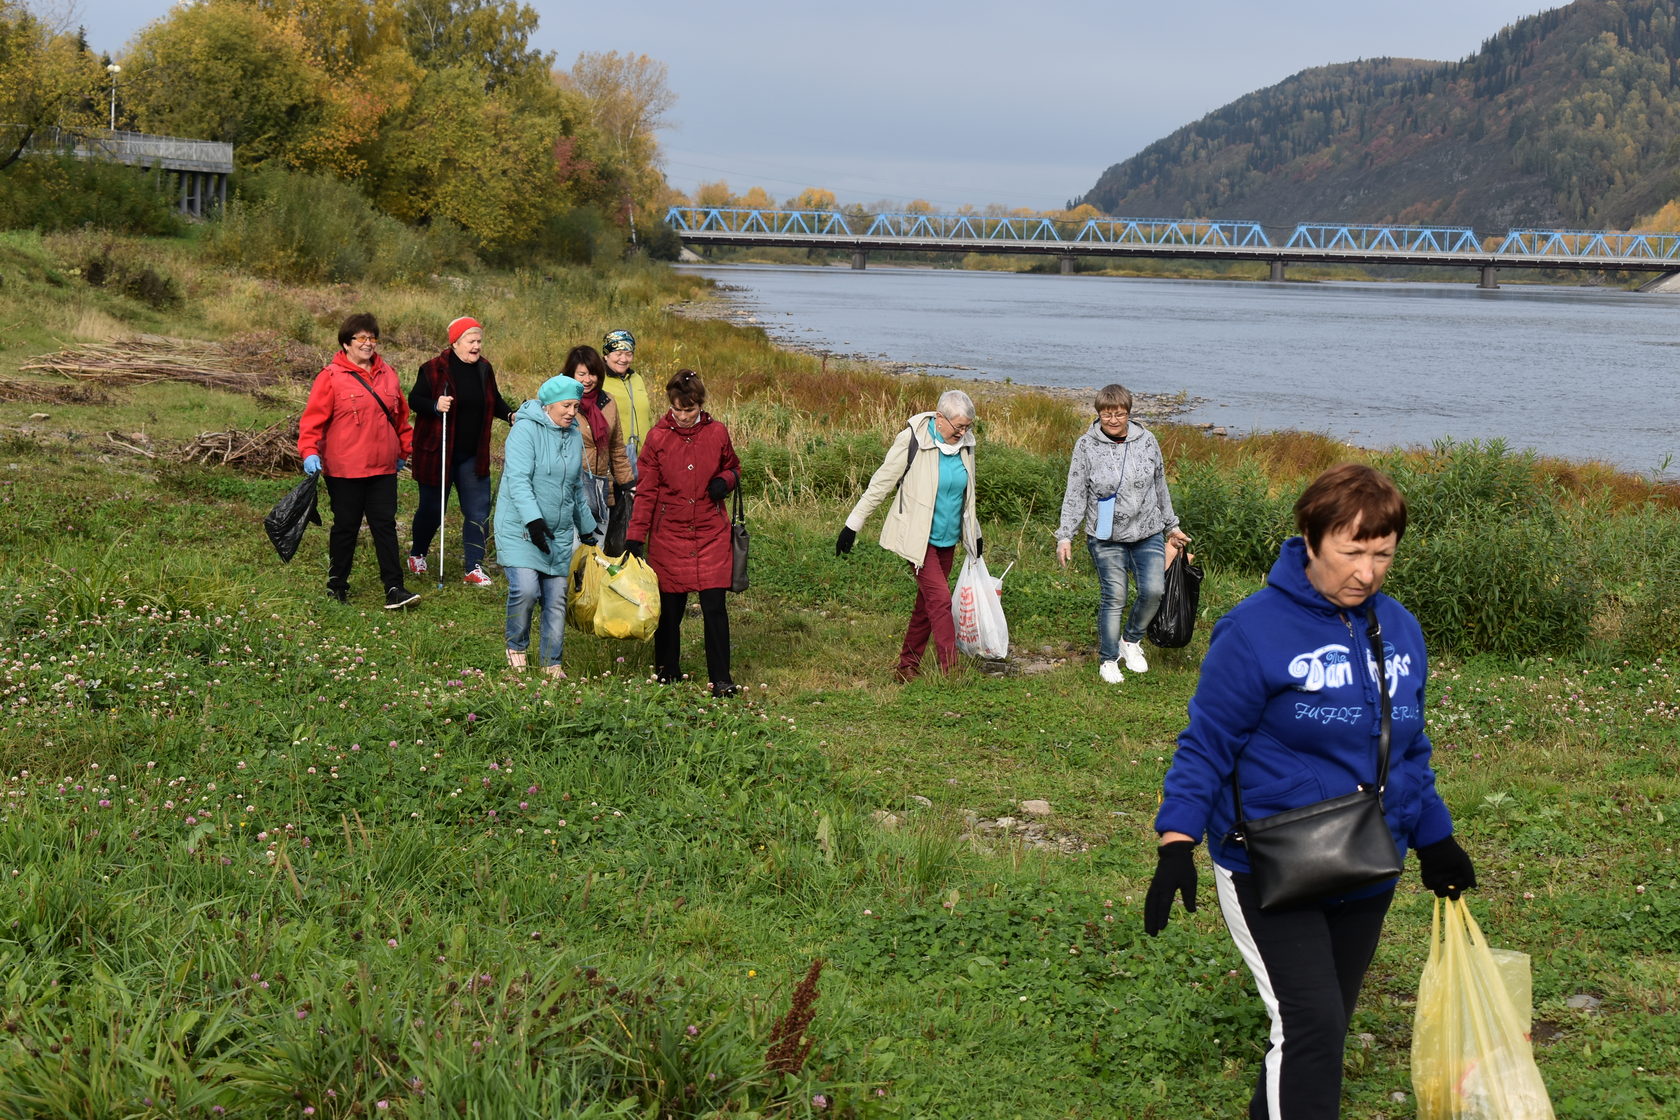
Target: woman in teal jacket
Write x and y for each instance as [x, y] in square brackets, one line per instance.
[540, 503]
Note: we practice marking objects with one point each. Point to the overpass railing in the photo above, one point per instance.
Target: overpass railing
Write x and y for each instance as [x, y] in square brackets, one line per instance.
[1191, 233]
[1588, 243]
[1385, 239]
[1168, 231]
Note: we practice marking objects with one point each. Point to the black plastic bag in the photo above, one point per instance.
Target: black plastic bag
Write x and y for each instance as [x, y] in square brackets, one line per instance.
[1175, 622]
[291, 515]
[612, 537]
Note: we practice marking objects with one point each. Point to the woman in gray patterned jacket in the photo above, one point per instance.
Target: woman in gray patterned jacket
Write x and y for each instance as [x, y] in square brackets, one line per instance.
[1117, 485]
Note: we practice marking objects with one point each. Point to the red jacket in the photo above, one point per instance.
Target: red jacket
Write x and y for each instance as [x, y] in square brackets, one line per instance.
[432, 382]
[687, 533]
[344, 426]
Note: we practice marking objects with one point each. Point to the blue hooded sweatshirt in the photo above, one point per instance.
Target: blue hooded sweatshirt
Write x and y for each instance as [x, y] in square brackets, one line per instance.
[1288, 691]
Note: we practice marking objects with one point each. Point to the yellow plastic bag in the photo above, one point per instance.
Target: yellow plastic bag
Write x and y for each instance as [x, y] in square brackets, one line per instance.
[1471, 1054]
[583, 589]
[628, 606]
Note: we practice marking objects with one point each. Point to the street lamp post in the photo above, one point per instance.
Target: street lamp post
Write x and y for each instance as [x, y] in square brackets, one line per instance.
[113, 69]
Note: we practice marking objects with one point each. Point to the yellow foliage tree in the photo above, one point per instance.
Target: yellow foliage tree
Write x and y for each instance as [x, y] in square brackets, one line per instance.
[812, 198]
[714, 194]
[46, 81]
[757, 198]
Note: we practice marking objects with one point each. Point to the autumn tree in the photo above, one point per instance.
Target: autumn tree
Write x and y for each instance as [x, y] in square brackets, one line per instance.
[628, 101]
[491, 38]
[455, 152]
[812, 198]
[47, 80]
[225, 71]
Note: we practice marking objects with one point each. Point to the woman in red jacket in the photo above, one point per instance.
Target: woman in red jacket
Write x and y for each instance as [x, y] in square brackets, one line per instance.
[688, 467]
[355, 431]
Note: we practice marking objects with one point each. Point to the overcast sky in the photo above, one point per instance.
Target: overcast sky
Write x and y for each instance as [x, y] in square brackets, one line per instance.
[973, 102]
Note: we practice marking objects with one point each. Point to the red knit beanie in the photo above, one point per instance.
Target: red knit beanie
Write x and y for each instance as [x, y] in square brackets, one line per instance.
[461, 326]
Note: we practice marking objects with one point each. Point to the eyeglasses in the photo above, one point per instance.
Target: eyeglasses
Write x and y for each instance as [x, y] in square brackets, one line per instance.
[364, 338]
[1112, 414]
[956, 428]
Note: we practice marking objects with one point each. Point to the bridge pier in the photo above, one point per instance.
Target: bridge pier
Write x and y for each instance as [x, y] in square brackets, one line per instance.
[859, 260]
[1276, 276]
[1067, 266]
[1490, 278]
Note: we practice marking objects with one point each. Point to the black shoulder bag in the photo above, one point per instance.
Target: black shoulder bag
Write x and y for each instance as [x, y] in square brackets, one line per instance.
[1330, 847]
[738, 541]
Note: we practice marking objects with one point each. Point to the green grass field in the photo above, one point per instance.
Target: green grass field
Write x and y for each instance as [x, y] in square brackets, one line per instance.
[266, 855]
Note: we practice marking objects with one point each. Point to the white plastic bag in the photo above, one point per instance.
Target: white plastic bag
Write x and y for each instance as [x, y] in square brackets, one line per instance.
[977, 610]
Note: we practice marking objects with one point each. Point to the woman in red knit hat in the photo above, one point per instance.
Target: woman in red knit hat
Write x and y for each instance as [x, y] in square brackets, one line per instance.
[455, 394]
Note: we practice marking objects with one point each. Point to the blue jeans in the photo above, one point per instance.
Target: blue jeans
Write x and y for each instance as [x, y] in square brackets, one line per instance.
[1145, 560]
[475, 513]
[525, 587]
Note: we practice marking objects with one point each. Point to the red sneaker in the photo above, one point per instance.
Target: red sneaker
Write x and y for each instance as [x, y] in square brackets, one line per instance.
[477, 578]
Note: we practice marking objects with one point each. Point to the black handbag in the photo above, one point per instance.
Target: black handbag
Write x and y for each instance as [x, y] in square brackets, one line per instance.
[1175, 620]
[1330, 847]
[738, 545]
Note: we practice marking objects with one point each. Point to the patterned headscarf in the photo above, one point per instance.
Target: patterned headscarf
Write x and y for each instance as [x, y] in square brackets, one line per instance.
[618, 340]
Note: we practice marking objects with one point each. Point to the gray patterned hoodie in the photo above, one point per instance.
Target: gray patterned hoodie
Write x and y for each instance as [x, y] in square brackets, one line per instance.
[1132, 470]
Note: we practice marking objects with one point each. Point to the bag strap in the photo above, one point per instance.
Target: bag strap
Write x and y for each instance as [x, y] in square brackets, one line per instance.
[909, 455]
[1385, 731]
[376, 400]
[737, 517]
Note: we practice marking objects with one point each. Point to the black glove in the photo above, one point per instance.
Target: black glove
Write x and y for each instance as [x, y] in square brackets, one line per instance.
[1445, 869]
[979, 547]
[1175, 873]
[633, 548]
[717, 488]
[540, 536]
[588, 538]
[848, 537]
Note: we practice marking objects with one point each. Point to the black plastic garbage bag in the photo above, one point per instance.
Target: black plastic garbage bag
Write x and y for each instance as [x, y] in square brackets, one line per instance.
[1175, 622]
[290, 516]
[612, 539]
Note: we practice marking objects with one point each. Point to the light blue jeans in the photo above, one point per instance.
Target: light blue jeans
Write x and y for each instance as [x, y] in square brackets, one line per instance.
[526, 586]
[1145, 561]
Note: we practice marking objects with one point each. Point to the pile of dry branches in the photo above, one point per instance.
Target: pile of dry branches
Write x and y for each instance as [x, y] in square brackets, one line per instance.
[272, 451]
[50, 392]
[245, 364]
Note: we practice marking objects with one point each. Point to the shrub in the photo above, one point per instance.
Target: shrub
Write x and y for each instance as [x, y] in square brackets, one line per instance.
[52, 193]
[1233, 514]
[310, 228]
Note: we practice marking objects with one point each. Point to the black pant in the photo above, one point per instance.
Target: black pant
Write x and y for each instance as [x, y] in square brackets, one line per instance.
[355, 499]
[1308, 963]
[667, 639]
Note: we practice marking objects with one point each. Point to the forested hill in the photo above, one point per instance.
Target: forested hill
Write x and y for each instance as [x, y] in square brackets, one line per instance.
[1567, 118]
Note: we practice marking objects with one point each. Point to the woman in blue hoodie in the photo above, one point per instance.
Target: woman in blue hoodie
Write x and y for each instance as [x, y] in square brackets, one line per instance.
[539, 505]
[1289, 686]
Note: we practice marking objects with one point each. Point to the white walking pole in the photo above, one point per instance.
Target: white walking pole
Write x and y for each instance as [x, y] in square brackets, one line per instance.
[443, 496]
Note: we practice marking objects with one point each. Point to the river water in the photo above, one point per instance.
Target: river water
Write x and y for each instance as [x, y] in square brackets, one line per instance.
[1575, 373]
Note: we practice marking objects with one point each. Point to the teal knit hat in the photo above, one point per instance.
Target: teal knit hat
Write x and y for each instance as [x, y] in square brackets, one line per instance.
[559, 388]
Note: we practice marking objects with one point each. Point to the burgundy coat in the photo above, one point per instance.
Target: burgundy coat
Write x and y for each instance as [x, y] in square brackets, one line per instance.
[433, 382]
[687, 533]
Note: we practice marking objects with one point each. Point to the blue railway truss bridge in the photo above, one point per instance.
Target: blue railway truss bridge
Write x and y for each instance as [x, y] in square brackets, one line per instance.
[1184, 239]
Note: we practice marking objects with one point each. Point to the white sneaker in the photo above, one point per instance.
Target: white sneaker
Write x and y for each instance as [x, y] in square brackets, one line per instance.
[1133, 653]
[1110, 672]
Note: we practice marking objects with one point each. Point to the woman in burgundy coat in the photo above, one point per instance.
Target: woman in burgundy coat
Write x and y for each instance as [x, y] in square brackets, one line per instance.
[688, 467]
